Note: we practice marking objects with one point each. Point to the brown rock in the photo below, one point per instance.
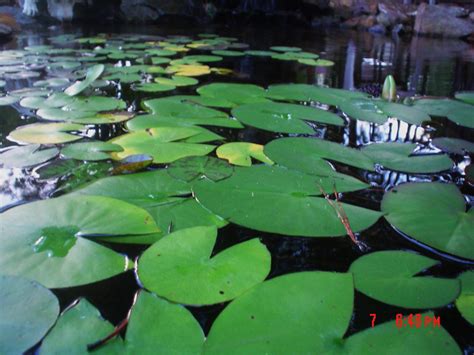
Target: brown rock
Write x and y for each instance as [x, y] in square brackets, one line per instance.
[442, 20]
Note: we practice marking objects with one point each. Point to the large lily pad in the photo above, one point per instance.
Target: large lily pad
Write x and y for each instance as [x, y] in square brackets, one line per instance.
[255, 195]
[50, 133]
[302, 313]
[50, 235]
[179, 267]
[456, 111]
[454, 145]
[26, 156]
[465, 301]
[434, 214]
[28, 311]
[286, 118]
[389, 277]
[188, 169]
[65, 337]
[164, 197]
[241, 153]
[165, 144]
[92, 74]
[238, 94]
[466, 96]
[308, 93]
[90, 150]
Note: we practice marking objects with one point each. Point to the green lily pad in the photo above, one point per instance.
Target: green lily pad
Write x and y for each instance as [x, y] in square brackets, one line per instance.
[434, 214]
[28, 311]
[93, 73]
[8, 100]
[53, 239]
[53, 82]
[149, 330]
[201, 58]
[164, 197]
[191, 168]
[95, 103]
[202, 100]
[177, 81]
[317, 62]
[153, 87]
[465, 301]
[456, 111]
[285, 49]
[26, 156]
[389, 277]
[125, 78]
[308, 93]
[90, 151]
[454, 145]
[393, 156]
[241, 153]
[259, 53]
[364, 110]
[283, 117]
[248, 193]
[228, 53]
[238, 94]
[301, 313]
[64, 337]
[179, 267]
[83, 117]
[50, 133]
[160, 52]
[408, 114]
[466, 96]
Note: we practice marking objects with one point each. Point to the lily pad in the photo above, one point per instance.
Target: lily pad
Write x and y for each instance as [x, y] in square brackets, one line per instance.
[285, 49]
[26, 156]
[466, 96]
[28, 311]
[465, 301]
[248, 193]
[177, 81]
[92, 74]
[179, 267]
[308, 93]
[153, 87]
[50, 133]
[454, 145]
[238, 94]
[64, 337]
[456, 111]
[434, 214]
[282, 117]
[301, 313]
[390, 277]
[191, 168]
[164, 197]
[90, 150]
[8, 100]
[259, 53]
[54, 239]
[95, 103]
[364, 110]
[241, 153]
[228, 53]
[125, 78]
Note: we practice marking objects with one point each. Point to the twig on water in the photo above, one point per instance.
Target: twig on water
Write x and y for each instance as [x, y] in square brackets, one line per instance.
[341, 214]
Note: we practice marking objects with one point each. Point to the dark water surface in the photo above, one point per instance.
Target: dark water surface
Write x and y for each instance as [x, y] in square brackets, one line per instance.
[421, 66]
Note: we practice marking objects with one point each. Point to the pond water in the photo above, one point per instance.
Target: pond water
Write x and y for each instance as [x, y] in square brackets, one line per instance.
[420, 66]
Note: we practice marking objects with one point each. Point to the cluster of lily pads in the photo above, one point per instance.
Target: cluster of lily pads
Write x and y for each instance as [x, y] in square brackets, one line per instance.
[171, 181]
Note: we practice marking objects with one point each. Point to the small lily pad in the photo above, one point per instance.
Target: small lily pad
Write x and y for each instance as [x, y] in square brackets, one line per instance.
[188, 169]
[389, 277]
[93, 73]
[90, 150]
[179, 267]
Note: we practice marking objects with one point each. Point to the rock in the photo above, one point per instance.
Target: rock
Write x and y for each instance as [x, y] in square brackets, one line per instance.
[442, 20]
[350, 8]
[471, 16]
[16, 13]
[378, 29]
[324, 21]
[150, 10]
[391, 13]
[5, 31]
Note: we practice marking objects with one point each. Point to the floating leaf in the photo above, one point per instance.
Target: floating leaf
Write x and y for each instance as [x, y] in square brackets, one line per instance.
[456, 111]
[125, 78]
[434, 214]
[285, 49]
[90, 150]
[364, 110]
[93, 73]
[65, 337]
[228, 53]
[95, 103]
[260, 53]
[308, 93]
[8, 100]
[164, 197]
[188, 169]
[28, 311]
[466, 96]
[301, 313]
[248, 193]
[177, 81]
[53, 238]
[408, 114]
[241, 153]
[189, 70]
[236, 93]
[50, 133]
[201, 58]
[454, 145]
[153, 87]
[179, 267]
[26, 156]
[389, 277]
[133, 164]
[282, 117]
[465, 301]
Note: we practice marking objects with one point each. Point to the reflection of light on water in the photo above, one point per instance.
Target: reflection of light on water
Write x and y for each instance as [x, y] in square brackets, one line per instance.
[391, 131]
[375, 62]
[18, 185]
